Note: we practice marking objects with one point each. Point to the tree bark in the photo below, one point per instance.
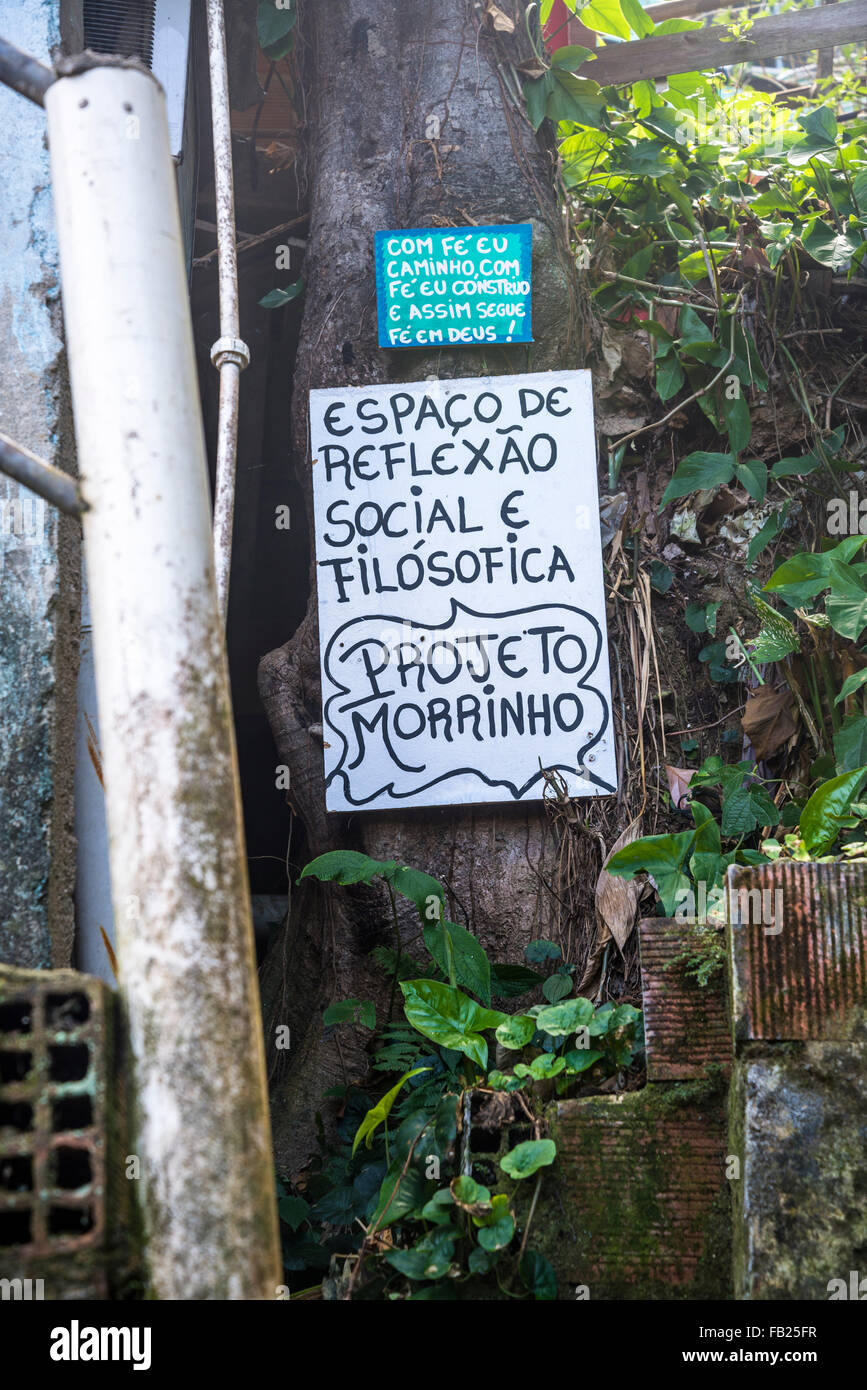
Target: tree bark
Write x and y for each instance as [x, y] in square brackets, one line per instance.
[413, 122]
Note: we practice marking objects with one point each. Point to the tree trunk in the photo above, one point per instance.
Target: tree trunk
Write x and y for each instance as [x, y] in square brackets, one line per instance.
[412, 123]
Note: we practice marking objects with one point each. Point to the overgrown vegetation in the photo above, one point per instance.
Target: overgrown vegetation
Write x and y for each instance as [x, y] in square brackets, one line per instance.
[413, 1222]
[728, 228]
[723, 231]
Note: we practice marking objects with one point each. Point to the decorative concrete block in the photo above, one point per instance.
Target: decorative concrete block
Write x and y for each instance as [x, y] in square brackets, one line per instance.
[65, 1202]
[686, 1025]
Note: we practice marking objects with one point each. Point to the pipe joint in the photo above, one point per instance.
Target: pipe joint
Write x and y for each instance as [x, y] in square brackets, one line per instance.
[230, 350]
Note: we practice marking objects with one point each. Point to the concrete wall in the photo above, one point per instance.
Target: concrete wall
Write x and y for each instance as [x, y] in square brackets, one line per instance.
[39, 551]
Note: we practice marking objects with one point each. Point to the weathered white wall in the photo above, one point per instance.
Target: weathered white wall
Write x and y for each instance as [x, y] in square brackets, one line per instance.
[39, 557]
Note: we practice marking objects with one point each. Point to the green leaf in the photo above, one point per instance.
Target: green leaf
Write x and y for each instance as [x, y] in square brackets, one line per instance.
[846, 605]
[769, 531]
[826, 807]
[429, 1258]
[580, 1059]
[338, 1207]
[851, 684]
[701, 617]
[718, 668]
[536, 93]
[292, 1211]
[752, 475]
[606, 17]
[410, 1189]
[639, 22]
[661, 577]
[471, 965]
[419, 888]
[850, 744]
[469, 1195]
[800, 466]
[571, 56]
[526, 1159]
[449, 1018]
[516, 1032]
[777, 636]
[805, 575]
[556, 987]
[538, 1276]
[503, 1081]
[574, 98]
[820, 124]
[747, 808]
[542, 1068]
[275, 299]
[340, 1013]
[736, 414]
[274, 28]
[675, 26]
[829, 247]
[662, 856]
[696, 471]
[481, 1261]
[540, 952]
[669, 376]
[692, 328]
[440, 1208]
[347, 866]
[498, 1234]
[511, 981]
[565, 1018]
[380, 1112]
[644, 96]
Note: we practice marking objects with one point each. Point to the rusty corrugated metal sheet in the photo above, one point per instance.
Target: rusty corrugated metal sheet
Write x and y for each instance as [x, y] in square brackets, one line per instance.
[799, 950]
[686, 1024]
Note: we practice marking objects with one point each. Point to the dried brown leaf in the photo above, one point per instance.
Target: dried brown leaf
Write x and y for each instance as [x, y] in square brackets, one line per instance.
[499, 18]
[617, 898]
[679, 779]
[768, 721]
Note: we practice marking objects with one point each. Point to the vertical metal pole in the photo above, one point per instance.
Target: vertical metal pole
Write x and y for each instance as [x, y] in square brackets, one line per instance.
[230, 354]
[179, 883]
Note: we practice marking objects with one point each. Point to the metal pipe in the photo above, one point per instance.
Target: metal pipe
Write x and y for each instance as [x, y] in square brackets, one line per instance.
[24, 74]
[179, 884]
[40, 477]
[230, 354]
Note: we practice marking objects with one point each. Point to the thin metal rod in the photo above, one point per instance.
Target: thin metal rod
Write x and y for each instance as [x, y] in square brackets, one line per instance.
[229, 354]
[40, 477]
[24, 74]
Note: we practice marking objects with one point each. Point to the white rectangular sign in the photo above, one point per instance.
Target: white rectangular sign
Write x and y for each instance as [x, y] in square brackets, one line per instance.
[461, 602]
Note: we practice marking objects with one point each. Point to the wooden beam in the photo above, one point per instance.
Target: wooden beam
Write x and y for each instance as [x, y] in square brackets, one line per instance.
[683, 9]
[799, 31]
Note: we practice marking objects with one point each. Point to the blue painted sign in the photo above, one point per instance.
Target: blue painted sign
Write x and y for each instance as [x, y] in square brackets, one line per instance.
[448, 286]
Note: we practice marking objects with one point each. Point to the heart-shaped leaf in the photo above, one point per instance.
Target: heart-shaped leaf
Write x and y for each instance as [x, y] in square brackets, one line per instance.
[449, 1017]
[526, 1159]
